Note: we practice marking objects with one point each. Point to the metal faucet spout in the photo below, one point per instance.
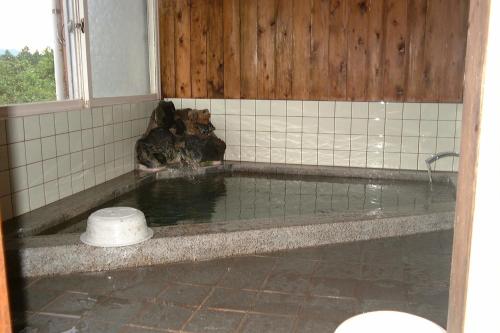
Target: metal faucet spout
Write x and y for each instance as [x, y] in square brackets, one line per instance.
[436, 157]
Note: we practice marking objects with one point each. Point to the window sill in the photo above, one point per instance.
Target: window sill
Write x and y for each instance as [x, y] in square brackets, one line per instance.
[18, 110]
[28, 109]
[105, 101]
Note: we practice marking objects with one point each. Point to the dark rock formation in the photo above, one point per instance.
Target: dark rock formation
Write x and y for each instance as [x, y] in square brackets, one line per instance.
[176, 137]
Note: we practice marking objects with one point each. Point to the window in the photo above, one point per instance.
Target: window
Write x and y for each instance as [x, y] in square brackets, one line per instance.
[120, 56]
[36, 52]
[53, 52]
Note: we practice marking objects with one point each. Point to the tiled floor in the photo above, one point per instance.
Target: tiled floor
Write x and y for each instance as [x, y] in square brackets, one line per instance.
[309, 290]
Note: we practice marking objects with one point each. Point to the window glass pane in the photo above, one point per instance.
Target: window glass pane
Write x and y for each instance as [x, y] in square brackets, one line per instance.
[33, 53]
[119, 48]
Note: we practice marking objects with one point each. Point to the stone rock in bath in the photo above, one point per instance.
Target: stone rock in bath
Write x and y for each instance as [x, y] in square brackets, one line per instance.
[176, 137]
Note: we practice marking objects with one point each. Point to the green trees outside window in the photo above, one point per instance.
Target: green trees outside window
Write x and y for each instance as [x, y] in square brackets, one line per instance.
[27, 77]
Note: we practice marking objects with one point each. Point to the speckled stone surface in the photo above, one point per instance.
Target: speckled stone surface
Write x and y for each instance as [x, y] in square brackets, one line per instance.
[37, 220]
[58, 254]
[63, 253]
[344, 172]
[297, 291]
[48, 216]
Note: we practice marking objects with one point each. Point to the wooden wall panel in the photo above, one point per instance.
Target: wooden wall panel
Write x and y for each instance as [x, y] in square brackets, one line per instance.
[266, 36]
[416, 20]
[357, 53]
[374, 48]
[284, 50]
[182, 48]
[199, 48]
[167, 45]
[215, 47]
[393, 50]
[434, 60]
[337, 49]
[301, 55]
[455, 46]
[248, 44]
[231, 12]
[319, 49]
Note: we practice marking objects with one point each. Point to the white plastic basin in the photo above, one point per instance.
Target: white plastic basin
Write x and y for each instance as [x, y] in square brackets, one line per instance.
[116, 226]
[388, 322]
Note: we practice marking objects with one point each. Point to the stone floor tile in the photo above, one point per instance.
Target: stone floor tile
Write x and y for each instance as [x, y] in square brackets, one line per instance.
[408, 274]
[314, 253]
[289, 265]
[338, 270]
[32, 298]
[41, 323]
[93, 283]
[383, 290]
[307, 325]
[433, 293]
[117, 310]
[231, 299]
[247, 273]
[70, 303]
[162, 315]
[138, 329]
[393, 272]
[329, 309]
[349, 252]
[436, 314]
[97, 326]
[288, 283]
[184, 294]
[274, 303]
[382, 255]
[204, 273]
[261, 323]
[383, 305]
[139, 290]
[214, 321]
[333, 287]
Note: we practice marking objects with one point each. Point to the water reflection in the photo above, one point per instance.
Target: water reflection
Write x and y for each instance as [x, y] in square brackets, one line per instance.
[175, 201]
[242, 197]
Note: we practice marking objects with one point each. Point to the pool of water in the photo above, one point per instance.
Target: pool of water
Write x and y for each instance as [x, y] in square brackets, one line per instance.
[226, 197]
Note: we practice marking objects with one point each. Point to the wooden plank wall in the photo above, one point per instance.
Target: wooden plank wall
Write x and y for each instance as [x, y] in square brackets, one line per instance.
[392, 50]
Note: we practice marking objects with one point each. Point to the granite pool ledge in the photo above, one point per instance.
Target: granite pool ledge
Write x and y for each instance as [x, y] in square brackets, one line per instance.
[32, 223]
[46, 217]
[342, 172]
[64, 254]
[63, 210]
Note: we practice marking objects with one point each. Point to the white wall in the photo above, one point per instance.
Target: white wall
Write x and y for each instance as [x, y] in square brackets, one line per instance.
[44, 158]
[356, 134]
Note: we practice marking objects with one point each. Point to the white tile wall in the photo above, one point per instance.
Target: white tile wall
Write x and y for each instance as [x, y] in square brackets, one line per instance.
[358, 134]
[44, 158]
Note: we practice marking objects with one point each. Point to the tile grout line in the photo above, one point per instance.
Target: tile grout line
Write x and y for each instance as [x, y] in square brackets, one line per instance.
[212, 290]
[306, 294]
[259, 292]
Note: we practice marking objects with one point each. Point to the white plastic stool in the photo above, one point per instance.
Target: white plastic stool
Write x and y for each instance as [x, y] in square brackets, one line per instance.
[388, 322]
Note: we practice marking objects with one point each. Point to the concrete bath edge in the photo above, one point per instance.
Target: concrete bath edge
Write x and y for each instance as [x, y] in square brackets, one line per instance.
[72, 256]
[44, 218]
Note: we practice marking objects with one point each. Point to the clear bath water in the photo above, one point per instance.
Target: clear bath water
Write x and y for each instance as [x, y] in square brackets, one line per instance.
[243, 197]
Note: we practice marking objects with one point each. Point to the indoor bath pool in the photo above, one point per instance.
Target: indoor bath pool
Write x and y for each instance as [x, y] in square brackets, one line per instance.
[234, 209]
[233, 197]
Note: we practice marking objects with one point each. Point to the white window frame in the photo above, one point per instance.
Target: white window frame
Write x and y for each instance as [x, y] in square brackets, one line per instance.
[86, 100]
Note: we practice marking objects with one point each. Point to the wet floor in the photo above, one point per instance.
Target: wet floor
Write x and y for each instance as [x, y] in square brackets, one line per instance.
[307, 290]
[243, 197]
